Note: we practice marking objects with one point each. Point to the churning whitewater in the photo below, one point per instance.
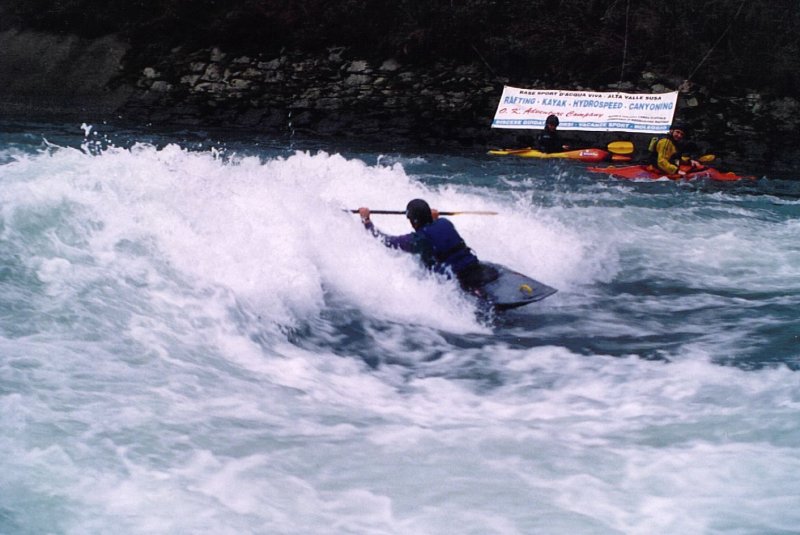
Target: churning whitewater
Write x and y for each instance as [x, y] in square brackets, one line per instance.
[198, 337]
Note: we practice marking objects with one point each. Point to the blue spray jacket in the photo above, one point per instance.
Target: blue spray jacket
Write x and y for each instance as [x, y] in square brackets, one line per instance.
[438, 244]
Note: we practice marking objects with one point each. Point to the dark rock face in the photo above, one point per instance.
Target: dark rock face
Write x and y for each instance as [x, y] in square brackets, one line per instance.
[320, 95]
[60, 76]
[336, 94]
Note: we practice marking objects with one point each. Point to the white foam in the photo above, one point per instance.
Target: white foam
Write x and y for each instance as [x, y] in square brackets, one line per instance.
[274, 232]
[161, 380]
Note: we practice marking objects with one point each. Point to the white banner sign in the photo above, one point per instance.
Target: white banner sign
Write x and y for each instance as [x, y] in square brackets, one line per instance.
[586, 110]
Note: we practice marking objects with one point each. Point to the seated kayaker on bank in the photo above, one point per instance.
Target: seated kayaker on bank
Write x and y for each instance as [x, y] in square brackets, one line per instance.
[437, 243]
[549, 140]
[667, 154]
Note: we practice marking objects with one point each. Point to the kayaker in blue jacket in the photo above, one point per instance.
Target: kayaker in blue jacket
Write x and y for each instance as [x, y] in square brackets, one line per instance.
[438, 244]
[549, 140]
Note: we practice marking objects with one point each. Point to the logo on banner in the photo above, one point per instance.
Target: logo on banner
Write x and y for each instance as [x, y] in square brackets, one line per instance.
[586, 110]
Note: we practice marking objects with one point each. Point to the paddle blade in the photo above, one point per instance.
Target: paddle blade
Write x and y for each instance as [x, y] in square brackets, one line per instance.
[620, 147]
[506, 152]
[705, 158]
[470, 212]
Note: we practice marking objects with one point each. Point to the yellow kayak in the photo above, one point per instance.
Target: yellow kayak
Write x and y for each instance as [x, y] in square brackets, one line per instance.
[583, 155]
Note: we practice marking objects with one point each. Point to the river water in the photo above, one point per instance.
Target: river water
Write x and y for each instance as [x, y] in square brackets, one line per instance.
[197, 338]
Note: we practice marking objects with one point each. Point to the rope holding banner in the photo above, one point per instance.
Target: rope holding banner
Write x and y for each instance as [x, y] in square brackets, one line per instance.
[625, 43]
[685, 84]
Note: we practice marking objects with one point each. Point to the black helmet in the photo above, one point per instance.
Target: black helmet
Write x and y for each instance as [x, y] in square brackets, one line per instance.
[552, 119]
[419, 213]
[683, 127]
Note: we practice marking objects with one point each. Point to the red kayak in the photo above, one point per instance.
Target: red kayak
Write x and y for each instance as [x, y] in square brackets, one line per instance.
[648, 172]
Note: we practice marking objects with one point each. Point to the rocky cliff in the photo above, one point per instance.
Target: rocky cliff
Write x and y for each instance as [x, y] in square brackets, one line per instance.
[391, 94]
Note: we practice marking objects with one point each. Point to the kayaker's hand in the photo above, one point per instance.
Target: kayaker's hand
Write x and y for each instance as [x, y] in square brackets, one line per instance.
[364, 213]
[681, 172]
[434, 214]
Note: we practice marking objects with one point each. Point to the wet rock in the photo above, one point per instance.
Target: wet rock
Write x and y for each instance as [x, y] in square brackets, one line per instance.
[160, 86]
[390, 65]
[216, 55]
[358, 66]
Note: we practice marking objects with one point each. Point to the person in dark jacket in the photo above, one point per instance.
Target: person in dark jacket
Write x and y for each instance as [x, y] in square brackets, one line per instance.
[549, 140]
[438, 244]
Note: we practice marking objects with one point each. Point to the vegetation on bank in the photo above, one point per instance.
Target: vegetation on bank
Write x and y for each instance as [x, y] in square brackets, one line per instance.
[725, 45]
